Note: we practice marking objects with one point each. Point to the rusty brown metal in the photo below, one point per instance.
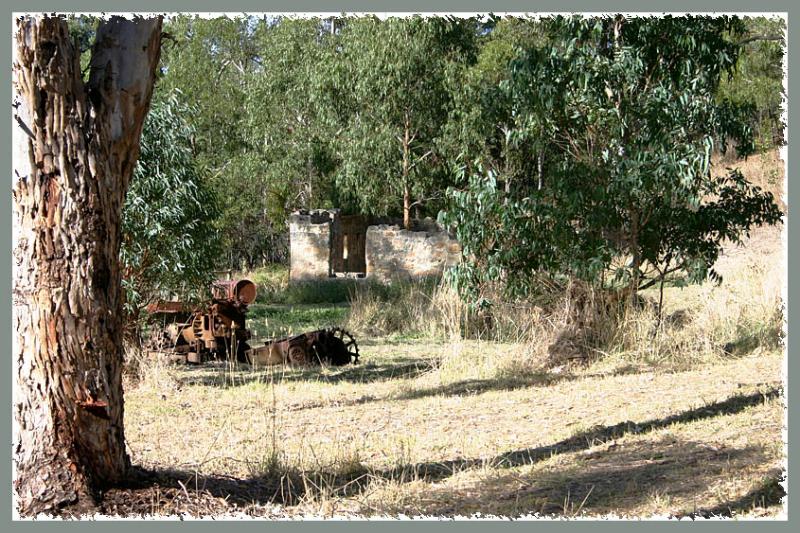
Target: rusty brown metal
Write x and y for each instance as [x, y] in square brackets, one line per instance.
[214, 329]
[167, 307]
[334, 346]
[242, 290]
[217, 329]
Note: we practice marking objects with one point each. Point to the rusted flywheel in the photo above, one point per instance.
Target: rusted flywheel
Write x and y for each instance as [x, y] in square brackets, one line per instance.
[297, 355]
[349, 342]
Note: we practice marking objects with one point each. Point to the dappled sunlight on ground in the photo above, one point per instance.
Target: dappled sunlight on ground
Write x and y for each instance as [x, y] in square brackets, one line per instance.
[641, 442]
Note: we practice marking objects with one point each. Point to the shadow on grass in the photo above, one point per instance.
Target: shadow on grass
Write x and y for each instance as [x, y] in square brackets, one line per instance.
[369, 372]
[509, 382]
[478, 386]
[436, 471]
[290, 486]
[399, 368]
[633, 480]
[768, 493]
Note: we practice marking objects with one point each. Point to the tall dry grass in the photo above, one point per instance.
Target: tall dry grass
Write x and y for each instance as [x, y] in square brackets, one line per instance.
[417, 309]
[764, 169]
[581, 324]
[142, 369]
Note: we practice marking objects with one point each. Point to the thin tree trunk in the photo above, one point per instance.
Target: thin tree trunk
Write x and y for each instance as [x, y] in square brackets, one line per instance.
[506, 168]
[539, 168]
[661, 298]
[308, 186]
[406, 207]
[406, 188]
[75, 148]
[636, 253]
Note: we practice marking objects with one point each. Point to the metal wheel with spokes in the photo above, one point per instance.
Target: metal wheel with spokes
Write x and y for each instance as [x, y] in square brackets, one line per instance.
[349, 344]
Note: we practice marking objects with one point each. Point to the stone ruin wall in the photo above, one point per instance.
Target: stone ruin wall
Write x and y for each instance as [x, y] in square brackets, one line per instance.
[394, 253]
[310, 237]
[391, 253]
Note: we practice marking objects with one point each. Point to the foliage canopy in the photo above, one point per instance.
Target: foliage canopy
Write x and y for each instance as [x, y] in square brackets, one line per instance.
[391, 82]
[169, 242]
[626, 112]
[595, 143]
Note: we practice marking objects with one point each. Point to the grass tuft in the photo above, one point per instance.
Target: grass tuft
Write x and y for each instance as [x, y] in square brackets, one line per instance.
[567, 404]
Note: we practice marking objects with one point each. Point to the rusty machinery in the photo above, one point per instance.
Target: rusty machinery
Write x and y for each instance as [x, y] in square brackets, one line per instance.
[216, 330]
[333, 346]
[213, 330]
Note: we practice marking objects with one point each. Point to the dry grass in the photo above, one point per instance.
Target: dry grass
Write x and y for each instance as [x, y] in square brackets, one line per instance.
[448, 426]
[423, 442]
[700, 324]
[423, 309]
[456, 413]
[707, 323]
[765, 169]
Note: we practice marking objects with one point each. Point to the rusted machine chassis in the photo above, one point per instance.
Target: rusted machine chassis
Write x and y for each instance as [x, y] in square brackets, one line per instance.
[215, 330]
[333, 346]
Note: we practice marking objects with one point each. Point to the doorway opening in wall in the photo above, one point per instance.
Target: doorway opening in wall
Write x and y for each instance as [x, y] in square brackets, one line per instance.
[348, 253]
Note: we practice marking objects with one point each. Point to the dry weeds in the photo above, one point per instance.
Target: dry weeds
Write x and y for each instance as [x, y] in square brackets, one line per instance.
[686, 421]
[414, 438]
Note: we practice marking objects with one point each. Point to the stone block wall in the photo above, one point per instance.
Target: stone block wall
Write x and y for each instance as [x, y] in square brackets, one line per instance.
[390, 252]
[310, 239]
[393, 253]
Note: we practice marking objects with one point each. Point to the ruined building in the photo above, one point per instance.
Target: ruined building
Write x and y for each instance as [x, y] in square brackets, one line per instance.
[325, 244]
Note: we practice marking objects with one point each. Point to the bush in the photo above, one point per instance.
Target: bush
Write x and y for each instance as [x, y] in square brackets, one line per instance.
[428, 307]
[577, 323]
[274, 287]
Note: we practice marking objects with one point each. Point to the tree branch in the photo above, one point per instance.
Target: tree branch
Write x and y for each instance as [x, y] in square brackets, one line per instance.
[420, 159]
[421, 201]
[652, 282]
[759, 38]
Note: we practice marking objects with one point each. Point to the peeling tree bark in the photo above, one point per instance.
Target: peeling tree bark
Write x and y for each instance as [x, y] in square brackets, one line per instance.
[75, 147]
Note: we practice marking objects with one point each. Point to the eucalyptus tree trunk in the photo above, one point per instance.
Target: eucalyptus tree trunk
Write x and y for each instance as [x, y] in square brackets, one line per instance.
[406, 168]
[75, 147]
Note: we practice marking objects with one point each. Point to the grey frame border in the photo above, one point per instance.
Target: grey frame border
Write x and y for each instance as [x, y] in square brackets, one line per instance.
[406, 6]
